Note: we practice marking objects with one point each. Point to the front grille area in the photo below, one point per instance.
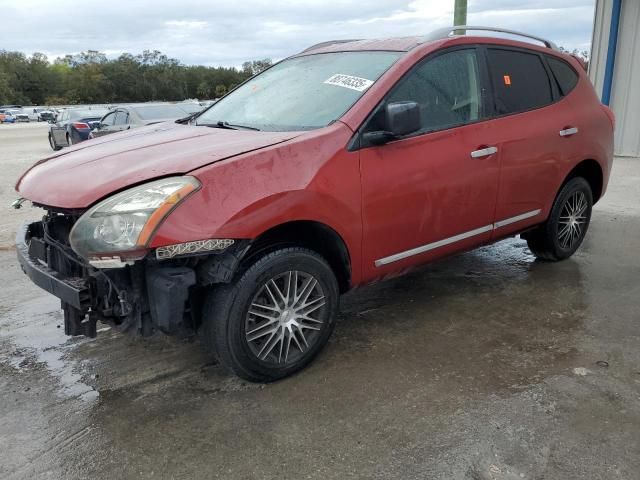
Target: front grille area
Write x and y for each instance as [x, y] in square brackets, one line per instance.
[60, 257]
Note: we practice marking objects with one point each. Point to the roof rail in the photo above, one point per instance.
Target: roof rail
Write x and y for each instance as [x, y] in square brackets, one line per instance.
[330, 42]
[447, 31]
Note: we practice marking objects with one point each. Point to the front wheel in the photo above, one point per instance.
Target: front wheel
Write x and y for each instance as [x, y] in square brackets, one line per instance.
[563, 232]
[274, 319]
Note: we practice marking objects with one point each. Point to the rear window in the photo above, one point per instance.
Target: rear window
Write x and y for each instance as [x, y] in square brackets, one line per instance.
[566, 76]
[158, 112]
[520, 81]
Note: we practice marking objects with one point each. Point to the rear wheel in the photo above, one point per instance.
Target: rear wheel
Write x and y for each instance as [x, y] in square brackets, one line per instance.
[563, 232]
[275, 318]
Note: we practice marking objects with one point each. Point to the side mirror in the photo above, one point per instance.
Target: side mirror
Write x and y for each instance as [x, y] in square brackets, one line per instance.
[400, 119]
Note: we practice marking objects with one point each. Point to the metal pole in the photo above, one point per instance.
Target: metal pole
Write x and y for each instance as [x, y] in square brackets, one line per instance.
[460, 13]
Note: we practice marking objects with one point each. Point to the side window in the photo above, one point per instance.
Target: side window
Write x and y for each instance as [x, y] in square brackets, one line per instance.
[520, 81]
[566, 76]
[109, 119]
[121, 117]
[446, 88]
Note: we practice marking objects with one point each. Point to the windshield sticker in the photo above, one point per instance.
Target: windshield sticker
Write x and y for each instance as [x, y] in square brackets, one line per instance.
[347, 81]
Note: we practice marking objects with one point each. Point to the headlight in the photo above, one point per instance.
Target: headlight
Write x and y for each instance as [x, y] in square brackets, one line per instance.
[126, 221]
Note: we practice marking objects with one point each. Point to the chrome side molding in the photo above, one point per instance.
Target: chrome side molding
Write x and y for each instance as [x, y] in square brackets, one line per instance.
[456, 238]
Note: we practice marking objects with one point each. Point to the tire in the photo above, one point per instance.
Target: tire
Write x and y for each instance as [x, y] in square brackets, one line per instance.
[563, 232]
[69, 139]
[255, 333]
[53, 145]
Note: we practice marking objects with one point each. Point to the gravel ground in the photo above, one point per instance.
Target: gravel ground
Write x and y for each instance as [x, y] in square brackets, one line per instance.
[489, 365]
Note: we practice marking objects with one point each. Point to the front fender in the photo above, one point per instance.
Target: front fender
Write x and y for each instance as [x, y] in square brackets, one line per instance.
[313, 179]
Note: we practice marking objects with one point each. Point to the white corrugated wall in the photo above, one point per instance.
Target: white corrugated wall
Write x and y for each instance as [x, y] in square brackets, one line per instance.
[625, 92]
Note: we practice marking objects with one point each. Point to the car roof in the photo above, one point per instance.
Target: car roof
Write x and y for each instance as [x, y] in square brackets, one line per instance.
[406, 44]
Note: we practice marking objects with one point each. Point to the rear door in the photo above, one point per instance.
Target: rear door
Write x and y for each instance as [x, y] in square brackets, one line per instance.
[433, 192]
[529, 118]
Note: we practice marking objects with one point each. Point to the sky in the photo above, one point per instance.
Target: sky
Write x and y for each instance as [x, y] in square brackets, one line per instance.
[228, 33]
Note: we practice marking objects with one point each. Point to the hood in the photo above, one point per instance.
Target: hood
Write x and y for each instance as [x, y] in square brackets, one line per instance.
[80, 175]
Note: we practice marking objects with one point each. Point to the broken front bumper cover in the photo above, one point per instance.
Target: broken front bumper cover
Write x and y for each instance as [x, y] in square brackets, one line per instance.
[32, 257]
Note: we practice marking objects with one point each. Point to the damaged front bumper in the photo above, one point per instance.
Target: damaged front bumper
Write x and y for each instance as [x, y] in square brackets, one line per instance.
[140, 298]
[33, 261]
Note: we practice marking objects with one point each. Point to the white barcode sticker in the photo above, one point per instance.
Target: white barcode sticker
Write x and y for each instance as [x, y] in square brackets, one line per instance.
[348, 81]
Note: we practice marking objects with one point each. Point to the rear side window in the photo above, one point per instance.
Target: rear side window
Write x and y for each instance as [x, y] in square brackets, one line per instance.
[520, 81]
[566, 76]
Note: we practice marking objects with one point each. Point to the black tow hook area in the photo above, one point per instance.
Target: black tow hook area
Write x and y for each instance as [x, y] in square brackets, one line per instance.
[77, 322]
[168, 290]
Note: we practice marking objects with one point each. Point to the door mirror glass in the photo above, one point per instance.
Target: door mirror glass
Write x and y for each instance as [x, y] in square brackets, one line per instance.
[400, 119]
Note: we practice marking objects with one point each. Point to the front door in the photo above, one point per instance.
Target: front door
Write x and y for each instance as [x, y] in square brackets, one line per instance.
[59, 129]
[121, 122]
[106, 125]
[434, 192]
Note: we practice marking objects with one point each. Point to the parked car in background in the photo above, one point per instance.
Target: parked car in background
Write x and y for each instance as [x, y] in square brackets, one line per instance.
[21, 116]
[73, 125]
[138, 115]
[47, 115]
[348, 163]
[33, 113]
[40, 114]
[7, 117]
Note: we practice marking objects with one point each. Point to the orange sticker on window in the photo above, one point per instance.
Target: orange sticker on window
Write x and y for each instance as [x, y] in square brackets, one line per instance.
[507, 80]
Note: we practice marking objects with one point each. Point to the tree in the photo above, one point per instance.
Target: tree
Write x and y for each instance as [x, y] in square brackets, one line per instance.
[221, 91]
[91, 77]
[253, 68]
[204, 91]
[580, 54]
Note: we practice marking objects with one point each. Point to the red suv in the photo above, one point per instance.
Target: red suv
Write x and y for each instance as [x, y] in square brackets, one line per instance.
[347, 163]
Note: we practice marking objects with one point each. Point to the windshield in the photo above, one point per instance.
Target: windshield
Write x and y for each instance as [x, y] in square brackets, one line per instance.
[301, 93]
[156, 112]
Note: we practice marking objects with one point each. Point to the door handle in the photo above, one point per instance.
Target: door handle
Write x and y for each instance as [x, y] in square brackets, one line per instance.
[484, 152]
[567, 132]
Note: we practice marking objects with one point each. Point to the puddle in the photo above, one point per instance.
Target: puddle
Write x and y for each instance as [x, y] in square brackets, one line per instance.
[35, 330]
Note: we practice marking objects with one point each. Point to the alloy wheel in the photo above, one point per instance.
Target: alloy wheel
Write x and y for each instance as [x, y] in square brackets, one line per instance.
[573, 220]
[285, 318]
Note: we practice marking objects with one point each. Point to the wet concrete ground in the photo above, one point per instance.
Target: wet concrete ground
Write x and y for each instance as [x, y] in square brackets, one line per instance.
[489, 365]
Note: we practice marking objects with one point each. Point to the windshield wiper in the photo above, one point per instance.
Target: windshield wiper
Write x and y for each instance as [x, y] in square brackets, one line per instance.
[228, 126]
[188, 118]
